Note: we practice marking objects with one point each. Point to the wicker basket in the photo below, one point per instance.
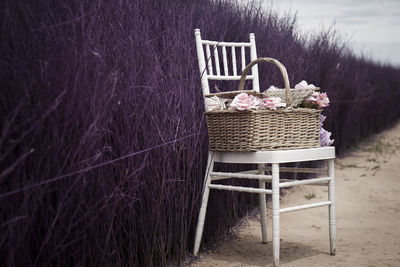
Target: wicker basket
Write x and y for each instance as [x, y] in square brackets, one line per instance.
[255, 130]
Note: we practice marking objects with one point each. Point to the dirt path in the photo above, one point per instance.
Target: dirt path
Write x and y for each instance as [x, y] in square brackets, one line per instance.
[368, 217]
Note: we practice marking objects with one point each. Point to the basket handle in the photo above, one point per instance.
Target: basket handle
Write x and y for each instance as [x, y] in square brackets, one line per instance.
[281, 68]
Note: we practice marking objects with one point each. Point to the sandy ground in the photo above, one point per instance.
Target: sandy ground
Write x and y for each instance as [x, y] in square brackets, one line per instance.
[368, 217]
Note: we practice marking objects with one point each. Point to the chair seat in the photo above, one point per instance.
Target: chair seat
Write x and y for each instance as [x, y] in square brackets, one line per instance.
[279, 156]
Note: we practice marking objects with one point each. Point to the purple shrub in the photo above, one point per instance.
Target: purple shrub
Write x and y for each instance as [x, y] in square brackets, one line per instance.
[103, 138]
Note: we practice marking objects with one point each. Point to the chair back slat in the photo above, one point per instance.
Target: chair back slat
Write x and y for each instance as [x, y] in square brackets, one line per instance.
[210, 66]
[229, 78]
[225, 61]
[236, 44]
[243, 53]
[210, 69]
[216, 60]
[234, 61]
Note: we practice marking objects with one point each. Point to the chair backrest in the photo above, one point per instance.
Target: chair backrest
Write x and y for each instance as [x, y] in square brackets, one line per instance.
[207, 65]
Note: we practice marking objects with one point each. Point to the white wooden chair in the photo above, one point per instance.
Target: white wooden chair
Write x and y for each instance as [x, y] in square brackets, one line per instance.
[261, 158]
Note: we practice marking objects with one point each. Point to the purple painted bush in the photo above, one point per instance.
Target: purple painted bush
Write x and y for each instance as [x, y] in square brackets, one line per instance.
[103, 136]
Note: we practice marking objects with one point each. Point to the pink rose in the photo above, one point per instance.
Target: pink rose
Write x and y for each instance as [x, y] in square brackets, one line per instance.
[322, 100]
[245, 101]
[268, 103]
[272, 103]
[319, 99]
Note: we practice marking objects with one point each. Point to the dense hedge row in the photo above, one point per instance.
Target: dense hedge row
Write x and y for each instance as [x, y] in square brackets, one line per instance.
[103, 139]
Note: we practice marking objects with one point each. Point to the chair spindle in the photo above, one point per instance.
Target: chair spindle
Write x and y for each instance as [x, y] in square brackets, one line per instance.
[243, 58]
[225, 61]
[216, 58]
[209, 60]
[234, 61]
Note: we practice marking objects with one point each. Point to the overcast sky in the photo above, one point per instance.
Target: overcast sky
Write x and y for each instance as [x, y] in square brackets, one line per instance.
[372, 26]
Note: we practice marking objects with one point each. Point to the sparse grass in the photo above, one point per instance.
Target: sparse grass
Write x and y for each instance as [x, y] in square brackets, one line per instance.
[310, 195]
[380, 147]
[376, 167]
[350, 165]
[316, 227]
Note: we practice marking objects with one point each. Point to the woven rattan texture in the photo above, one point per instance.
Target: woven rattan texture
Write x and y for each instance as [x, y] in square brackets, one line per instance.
[261, 130]
[258, 130]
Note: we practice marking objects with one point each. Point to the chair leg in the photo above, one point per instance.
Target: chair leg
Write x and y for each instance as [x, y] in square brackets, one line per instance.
[263, 206]
[332, 209]
[203, 209]
[275, 213]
